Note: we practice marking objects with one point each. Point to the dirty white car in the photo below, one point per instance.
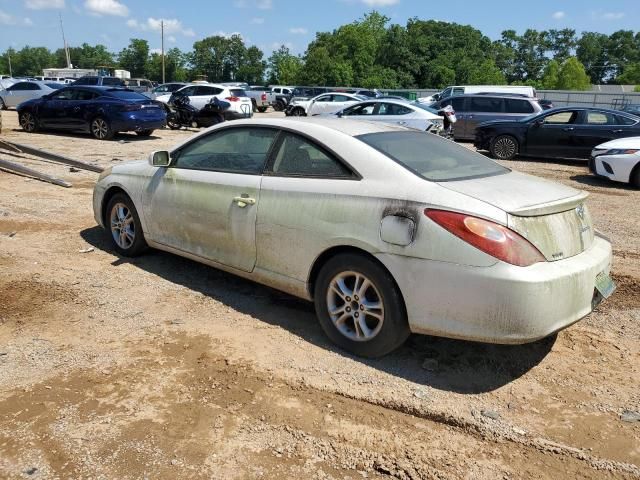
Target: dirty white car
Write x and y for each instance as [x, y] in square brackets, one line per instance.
[388, 230]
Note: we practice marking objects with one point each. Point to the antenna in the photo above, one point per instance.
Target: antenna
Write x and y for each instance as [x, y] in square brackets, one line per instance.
[64, 40]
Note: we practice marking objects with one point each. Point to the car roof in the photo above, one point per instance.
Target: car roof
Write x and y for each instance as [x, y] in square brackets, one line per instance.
[347, 126]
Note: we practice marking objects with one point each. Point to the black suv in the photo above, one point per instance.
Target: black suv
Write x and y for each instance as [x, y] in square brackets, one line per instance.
[99, 81]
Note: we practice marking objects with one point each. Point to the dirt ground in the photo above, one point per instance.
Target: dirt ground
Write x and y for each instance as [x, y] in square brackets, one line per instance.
[162, 368]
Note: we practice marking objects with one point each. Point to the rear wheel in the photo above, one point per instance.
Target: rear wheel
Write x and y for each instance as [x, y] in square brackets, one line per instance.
[124, 225]
[262, 109]
[279, 106]
[359, 306]
[144, 133]
[28, 122]
[297, 112]
[504, 147]
[101, 129]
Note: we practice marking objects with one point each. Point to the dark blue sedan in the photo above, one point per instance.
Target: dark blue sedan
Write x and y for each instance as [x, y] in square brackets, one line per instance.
[101, 111]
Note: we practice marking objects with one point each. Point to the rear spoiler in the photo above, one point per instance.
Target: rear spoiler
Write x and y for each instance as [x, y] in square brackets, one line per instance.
[557, 206]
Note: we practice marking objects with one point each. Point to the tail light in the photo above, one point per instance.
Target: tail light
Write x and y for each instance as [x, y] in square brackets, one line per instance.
[264, 97]
[233, 99]
[490, 237]
[132, 107]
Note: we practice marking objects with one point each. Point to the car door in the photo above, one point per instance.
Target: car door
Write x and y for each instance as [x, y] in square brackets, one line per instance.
[320, 105]
[304, 185]
[393, 113]
[203, 94]
[205, 203]
[598, 127]
[553, 135]
[79, 109]
[481, 109]
[53, 112]
[17, 94]
[363, 111]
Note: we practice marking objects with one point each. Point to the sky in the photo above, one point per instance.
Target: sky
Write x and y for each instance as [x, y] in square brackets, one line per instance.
[271, 23]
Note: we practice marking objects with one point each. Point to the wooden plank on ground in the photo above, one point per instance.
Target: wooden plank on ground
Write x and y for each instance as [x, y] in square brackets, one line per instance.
[16, 168]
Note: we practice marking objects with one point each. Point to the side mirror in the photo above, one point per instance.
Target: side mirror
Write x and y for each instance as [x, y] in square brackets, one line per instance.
[160, 158]
[340, 114]
[539, 122]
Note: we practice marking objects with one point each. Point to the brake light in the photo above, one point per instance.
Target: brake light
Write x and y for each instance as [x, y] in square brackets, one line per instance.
[264, 97]
[490, 237]
[233, 99]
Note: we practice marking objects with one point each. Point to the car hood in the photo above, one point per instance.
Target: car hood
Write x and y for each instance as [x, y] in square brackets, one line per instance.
[518, 193]
[628, 142]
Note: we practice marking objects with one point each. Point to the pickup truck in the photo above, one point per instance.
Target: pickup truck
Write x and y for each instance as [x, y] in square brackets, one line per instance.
[261, 97]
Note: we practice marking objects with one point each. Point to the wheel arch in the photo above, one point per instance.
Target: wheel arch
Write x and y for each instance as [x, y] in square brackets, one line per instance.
[634, 171]
[108, 195]
[331, 252]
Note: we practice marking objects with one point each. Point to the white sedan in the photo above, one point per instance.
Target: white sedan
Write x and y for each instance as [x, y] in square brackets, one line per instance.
[20, 92]
[324, 103]
[398, 112]
[202, 93]
[387, 229]
[618, 160]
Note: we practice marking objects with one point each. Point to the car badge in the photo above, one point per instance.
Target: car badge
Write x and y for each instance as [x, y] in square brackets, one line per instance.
[580, 211]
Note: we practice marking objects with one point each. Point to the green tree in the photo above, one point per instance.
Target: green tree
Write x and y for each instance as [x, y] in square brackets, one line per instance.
[572, 76]
[85, 56]
[284, 67]
[550, 78]
[134, 58]
[29, 61]
[562, 43]
[631, 75]
[592, 51]
[488, 73]
[175, 66]
[623, 49]
[253, 68]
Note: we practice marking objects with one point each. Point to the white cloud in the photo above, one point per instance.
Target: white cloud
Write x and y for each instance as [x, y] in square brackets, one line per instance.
[27, 22]
[6, 19]
[172, 39]
[171, 25]
[257, 21]
[221, 33]
[380, 3]
[558, 15]
[264, 4]
[298, 30]
[44, 4]
[613, 15]
[155, 50]
[106, 7]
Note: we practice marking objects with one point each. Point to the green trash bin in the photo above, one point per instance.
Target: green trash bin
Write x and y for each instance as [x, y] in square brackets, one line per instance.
[403, 93]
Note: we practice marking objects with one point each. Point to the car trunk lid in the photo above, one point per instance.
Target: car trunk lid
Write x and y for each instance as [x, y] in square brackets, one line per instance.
[553, 217]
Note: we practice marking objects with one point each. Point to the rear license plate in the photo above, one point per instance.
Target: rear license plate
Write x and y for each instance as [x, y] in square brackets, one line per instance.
[605, 285]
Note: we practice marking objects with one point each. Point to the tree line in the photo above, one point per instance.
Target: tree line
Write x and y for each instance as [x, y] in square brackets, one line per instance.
[373, 53]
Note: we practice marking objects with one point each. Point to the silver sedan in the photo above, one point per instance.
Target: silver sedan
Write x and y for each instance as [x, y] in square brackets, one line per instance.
[387, 230]
[20, 92]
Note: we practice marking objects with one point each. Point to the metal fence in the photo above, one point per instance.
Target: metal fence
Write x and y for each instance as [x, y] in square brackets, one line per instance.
[563, 98]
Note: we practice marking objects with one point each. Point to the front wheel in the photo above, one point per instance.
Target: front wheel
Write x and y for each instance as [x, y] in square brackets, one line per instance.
[297, 112]
[504, 147]
[28, 122]
[124, 225]
[634, 180]
[144, 133]
[359, 306]
[101, 130]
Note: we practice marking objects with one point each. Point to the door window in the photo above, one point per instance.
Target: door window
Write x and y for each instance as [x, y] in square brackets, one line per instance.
[299, 157]
[625, 120]
[341, 98]
[234, 150]
[63, 95]
[325, 98]
[362, 109]
[514, 105]
[19, 87]
[84, 95]
[188, 91]
[561, 118]
[600, 118]
[393, 109]
[485, 105]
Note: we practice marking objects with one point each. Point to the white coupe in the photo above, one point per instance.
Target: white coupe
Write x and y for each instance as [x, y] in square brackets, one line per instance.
[387, 229]
[618, 160]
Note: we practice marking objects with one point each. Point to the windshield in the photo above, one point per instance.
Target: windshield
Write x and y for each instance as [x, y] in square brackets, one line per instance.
[432, 157]
[126, 94]
[238, 92]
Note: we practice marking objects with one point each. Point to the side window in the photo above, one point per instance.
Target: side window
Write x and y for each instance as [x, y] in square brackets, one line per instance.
[116, 82]
[561, 118]
[325, 98]
[189, 91]
[458, 104]
[341, 98]
[457, 91]
[446, 93]
[486, 105]
[299, 157]
[513, 105]
[363, 109]
[600, 118]
[393, 109]
[63, 95]
[625, 120]
[17, 87]
[33, 86]
[163, 88]
[234, 150]
[84, 95]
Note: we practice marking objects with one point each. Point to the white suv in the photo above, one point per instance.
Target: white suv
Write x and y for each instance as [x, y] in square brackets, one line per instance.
[200, 94]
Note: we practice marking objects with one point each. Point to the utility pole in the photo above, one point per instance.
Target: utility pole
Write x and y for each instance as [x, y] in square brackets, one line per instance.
[9, 57]
[64, 40]
[162, 34]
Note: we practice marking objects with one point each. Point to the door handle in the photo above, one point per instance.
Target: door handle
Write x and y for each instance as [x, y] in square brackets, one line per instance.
[617, 131]
[402, 122]
[569, 129]
[244, 201]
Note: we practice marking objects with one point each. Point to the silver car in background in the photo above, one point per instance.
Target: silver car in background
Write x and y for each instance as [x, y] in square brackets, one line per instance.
[20, 92]
[388, 230]
[395, 112]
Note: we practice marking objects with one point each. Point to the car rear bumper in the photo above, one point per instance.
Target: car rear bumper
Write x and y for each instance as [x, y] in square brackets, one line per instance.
[235, 115]
[135, 123]
[501, 303]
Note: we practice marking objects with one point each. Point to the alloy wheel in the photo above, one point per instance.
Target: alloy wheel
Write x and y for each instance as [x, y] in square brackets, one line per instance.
[28, 122]
[355, 306]
[99, 128]
[123, 227]
[505, 148]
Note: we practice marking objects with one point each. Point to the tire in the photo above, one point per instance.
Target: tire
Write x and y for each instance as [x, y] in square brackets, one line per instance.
[634, 179]
[371, 335]
[173, 122]
[254, 106]
[262, 109]
[298, 112]
[279, 106]
[100, 129]
[144, 133]
[504, 147]
[123, 224]
[3, 106]
[28, 122]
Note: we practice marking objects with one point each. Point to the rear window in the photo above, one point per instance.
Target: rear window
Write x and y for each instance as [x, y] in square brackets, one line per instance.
[513, 105]
[485, 105]
[238, 92]
[126, 94]
[432, 157]
[108, 81]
